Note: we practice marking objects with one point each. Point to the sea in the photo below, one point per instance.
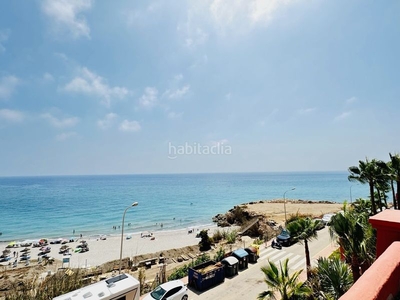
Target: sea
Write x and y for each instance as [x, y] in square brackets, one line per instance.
[67, 206]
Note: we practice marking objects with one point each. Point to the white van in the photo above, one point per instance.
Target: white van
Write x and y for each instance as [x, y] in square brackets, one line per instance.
[121, 287]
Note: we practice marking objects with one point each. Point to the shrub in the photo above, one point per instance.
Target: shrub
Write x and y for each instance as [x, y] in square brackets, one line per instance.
[219, 255]
[183, 271]
[231, 237]
[205, 242]
[217, 236]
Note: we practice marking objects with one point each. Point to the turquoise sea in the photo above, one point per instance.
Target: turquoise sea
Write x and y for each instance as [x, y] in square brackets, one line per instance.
[55, 206]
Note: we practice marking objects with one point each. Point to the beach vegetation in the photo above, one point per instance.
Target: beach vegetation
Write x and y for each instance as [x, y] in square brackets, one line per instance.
[258, 241]
[330, 279]
[205, 240]
[394, 175]
[218, 235]
[52, 286]
[279, 281]
[368, 172]
[220, 254]
[304, 230]
[356, 238]
[361, 206]
[297, 216]
[183, 271]
[231, 237]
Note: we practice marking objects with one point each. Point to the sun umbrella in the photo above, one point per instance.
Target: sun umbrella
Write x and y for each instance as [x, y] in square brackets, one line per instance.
[12, 244]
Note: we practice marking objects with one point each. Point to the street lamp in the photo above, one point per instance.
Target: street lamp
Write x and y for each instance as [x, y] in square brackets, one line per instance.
[122, 234]
[284, 201]
[351, 195]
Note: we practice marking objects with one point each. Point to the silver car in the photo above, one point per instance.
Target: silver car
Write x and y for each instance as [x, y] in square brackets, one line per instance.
[171, 290]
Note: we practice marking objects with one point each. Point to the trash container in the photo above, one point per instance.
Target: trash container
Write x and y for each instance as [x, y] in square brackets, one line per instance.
[253, 257]
[242, 257]
[231, 266]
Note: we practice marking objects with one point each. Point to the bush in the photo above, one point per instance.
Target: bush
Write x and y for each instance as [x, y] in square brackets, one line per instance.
[183, 271]
[206, 241]
[335, 254]
[258, 242]
[53, 286]
[297, 216]
[217, 236]
[231, 237]
[220, 255]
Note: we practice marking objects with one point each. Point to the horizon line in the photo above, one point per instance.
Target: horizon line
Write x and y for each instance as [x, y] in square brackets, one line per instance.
[177, 173]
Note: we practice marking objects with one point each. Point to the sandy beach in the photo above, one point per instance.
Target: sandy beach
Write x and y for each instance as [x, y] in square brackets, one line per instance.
[102, 251]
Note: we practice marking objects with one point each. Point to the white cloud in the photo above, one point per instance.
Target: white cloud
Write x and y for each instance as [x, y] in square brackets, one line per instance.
[4, 34]
[130, 126]
[89, 83]
[7, 86]
[304, 111]
[149, 98]
[343, 115]
[47, 77]
[206, 17]
[178, 77]
[11, 115]
[173, 115]
[66, 16]
[65, 136]
[178, 93]
[108, 121]
[142, 17]
[351, 100]
[60, 123]
[245, 13]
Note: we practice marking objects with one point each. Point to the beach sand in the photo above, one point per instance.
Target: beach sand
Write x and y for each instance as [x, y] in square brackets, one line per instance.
[102, 251]
[275, 209]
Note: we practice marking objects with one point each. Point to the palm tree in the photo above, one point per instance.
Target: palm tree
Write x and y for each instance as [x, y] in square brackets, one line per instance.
[279, 281]
[361, 206]
[395, 170]
[355, 237]
[366, 172]
[304, 230]
[333, 277]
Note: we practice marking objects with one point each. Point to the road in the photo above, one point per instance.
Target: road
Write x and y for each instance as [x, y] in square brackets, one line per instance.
[250, 282]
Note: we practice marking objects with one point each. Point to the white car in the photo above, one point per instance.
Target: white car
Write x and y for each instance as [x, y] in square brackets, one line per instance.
[327, 218]
[171, 290]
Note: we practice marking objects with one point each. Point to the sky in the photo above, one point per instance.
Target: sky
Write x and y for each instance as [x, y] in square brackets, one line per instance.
[194, 86]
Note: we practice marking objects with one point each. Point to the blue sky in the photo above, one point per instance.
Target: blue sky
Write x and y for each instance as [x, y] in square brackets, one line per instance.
[112, 87]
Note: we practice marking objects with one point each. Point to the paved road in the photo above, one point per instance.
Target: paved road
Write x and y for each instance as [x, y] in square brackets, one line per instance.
[249, 283]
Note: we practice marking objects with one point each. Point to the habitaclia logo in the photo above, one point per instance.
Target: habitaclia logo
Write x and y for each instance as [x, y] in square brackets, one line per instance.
[217, 148]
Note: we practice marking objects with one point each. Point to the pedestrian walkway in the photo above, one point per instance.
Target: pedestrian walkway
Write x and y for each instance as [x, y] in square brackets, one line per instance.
[296, 261]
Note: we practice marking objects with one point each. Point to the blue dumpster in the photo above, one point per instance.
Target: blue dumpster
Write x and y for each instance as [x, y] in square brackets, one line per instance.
[243, 258]
[206, 275]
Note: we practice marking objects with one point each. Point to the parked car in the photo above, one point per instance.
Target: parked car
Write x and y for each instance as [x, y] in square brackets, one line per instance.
[171, 290]
[321, 224]
[327, 218]
[284, 238]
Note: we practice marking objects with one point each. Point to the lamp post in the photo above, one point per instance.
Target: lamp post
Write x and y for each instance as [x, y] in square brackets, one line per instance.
[122, 234]
[351, 199]
[284, 201]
